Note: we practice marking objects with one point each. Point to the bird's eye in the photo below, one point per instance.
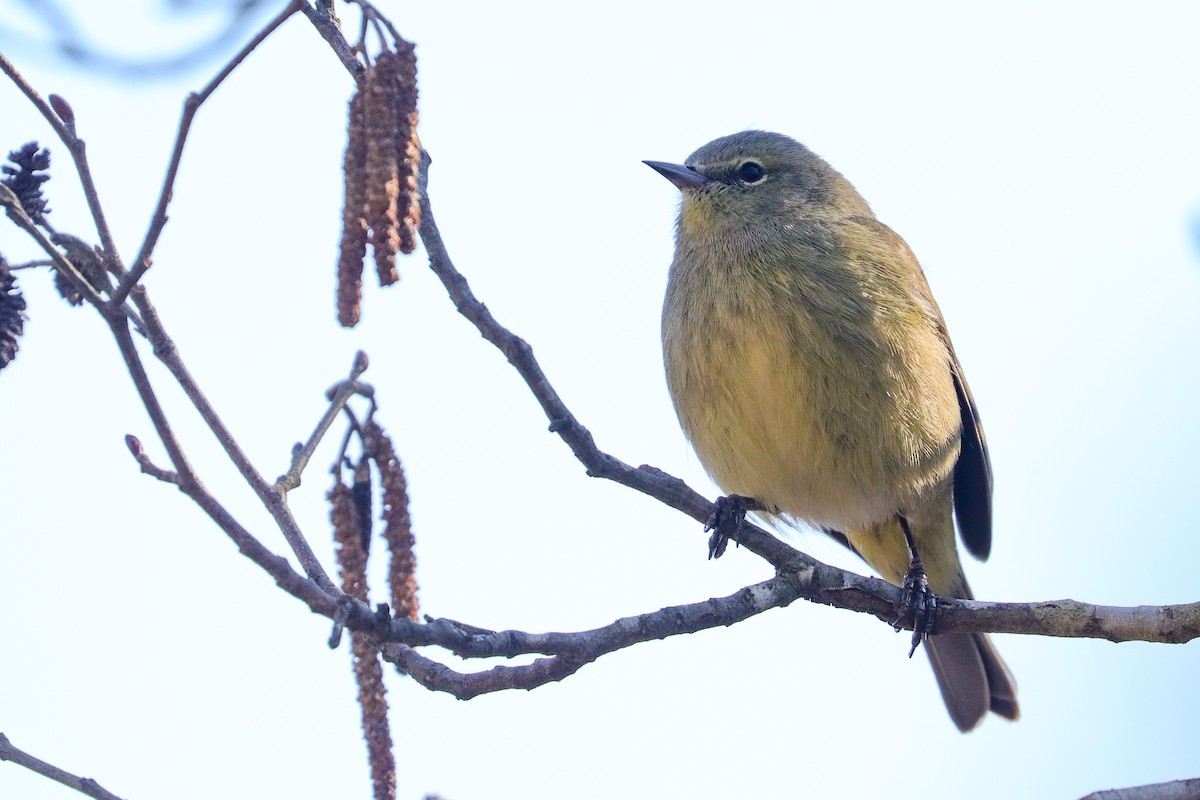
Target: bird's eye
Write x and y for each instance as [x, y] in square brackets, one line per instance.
[751, 172]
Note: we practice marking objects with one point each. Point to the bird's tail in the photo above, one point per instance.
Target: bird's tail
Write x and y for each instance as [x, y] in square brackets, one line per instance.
[970, 673]
[973, 678]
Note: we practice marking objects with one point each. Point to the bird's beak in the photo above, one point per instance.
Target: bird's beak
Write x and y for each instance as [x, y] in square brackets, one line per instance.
[683, 177]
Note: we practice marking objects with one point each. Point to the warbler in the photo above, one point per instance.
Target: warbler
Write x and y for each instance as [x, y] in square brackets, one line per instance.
[812, 372]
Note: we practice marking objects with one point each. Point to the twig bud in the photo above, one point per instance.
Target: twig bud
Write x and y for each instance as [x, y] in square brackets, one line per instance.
[135, 446]
[64, 110]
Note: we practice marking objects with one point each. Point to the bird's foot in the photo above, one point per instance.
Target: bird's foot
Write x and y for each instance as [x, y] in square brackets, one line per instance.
[727, 517]
[917, 600]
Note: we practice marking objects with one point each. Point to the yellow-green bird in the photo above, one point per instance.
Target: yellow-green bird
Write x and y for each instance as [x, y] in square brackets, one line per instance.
[811, 369]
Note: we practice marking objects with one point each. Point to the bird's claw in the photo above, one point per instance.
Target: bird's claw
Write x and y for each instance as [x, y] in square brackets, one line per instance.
[728, 513]
[918, 601]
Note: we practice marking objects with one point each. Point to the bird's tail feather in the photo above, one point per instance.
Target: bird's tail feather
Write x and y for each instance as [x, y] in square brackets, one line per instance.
[973, 678]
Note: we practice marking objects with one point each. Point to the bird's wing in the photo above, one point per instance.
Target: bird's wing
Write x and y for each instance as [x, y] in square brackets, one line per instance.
[973, 471]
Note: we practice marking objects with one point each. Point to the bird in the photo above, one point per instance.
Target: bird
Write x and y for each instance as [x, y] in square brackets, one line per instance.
[812, 372]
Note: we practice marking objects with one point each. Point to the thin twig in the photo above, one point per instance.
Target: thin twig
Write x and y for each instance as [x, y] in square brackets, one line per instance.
[341, 394]
[275, 503]
[360, 46]
[315, 596]
[16, 212]
[58, 260]
[329, 30]
[185, 475]
[78, 150]
[352, 428]
[164, 348]
[379, 19]
[149, 467]
[115, 314]
[190, 106]
[82, 785]
[438, 677]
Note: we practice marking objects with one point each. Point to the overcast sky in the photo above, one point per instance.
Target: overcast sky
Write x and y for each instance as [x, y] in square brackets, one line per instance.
[1041, 162]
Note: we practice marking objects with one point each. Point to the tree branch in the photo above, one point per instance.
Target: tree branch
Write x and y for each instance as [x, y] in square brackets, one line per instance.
[75, 146]
[272, 500]
[339, 395]
[16, 213]
[809, 579]
[190, 106]
[164, 348]
[82, 785]
[328, 28]
[1172, 790]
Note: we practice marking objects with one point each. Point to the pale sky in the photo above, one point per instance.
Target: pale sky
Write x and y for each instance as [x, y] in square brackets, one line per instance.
[1042, 162]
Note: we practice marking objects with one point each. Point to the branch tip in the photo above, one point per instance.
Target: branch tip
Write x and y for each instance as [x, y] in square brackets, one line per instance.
[146, 465]
[135, 446]
[361, 362]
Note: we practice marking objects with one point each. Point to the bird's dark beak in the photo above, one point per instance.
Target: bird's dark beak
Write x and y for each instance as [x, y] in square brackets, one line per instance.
[683, 177]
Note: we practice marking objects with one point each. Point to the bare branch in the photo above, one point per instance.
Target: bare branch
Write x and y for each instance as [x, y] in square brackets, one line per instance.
[1172, 790]
[168, 354]
[16, 212]
[190, 106]
[810, 580]
[164, 348]
[339, 395]
[1168, 624]
[82, 785]
[115, 314]
[571, 651]
[465, 685]
[37, 263]
[158, 417]
[307, 590]
[327, 27]
[139, 454]
[66, 133]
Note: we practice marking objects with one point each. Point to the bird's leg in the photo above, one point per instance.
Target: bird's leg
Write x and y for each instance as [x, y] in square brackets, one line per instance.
[727, 517]
[916, 598]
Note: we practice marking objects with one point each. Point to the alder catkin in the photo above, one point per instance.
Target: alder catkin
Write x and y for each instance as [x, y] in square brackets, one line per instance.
[381, 171]
[383, 167]
[353, 247]
[408, 201]
[351, 558]
[368, 671]
[397, 524]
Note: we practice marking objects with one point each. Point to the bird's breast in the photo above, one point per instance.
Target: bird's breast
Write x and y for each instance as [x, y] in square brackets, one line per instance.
[837, 427]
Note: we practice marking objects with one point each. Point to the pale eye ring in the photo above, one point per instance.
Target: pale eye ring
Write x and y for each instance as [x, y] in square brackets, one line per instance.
[751, 172]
